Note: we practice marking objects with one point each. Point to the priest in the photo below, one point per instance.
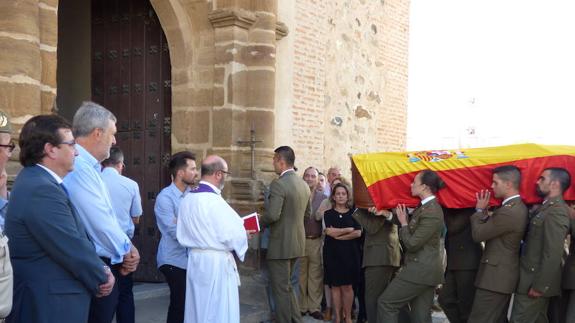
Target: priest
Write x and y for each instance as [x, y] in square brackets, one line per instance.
[212, 231]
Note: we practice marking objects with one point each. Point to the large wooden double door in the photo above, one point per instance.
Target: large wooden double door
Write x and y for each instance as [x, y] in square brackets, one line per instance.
[131, 76]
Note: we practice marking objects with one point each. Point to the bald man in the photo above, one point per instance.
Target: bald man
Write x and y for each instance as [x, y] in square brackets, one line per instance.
[211, 230]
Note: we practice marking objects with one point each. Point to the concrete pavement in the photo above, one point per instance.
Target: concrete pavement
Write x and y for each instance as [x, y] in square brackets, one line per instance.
[152, 300]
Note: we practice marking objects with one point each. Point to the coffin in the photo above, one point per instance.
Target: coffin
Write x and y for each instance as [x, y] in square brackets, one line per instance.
[383, 179]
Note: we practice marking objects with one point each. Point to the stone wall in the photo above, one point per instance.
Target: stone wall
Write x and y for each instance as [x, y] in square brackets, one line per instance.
[336, 85]
[349, 78]
[28, 41]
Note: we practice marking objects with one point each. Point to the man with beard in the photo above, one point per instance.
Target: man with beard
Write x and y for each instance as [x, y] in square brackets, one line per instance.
[502, 232]
[211, 230]
[540, 262]
[172, 258]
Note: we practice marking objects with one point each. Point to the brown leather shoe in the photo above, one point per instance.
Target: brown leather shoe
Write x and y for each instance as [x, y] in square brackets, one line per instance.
[327, 314]
[317, 315]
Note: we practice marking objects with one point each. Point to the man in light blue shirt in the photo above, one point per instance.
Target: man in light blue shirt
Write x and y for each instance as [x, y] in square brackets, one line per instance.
[124, 192]
[94, 129]
[127, 203]
[172, 258]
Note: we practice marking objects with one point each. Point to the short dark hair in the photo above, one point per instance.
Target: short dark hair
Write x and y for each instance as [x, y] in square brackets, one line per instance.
[561, 175]
[287, 154]
[432, 180]
[179, 161]
[116, 157]
[212, 168]
[36, 133]
[509, 173]
[349, 202]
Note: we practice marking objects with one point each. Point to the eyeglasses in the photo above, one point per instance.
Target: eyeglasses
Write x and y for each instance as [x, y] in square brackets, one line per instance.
[70, 143]
[11, 146]
[225, 172]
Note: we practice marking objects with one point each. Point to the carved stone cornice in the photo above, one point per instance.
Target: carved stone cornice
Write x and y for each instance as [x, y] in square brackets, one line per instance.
[241, 18]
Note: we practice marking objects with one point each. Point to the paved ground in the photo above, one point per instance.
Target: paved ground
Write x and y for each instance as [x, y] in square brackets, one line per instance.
[152, 302]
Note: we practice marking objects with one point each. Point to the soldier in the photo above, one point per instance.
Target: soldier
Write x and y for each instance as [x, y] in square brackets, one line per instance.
[423, 271]
[463, 255]
[381, 256]
[502, 232]
[568, 282]
[288, 205]
[540, 263]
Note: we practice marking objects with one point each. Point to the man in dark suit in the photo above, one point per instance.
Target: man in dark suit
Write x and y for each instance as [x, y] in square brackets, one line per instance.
[56, 268]
[288, 204]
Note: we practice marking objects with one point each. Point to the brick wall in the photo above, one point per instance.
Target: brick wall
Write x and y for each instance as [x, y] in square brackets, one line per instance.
[350, 64]
[309, 77]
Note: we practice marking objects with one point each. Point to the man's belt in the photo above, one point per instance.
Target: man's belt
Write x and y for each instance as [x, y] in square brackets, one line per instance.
[313, 237]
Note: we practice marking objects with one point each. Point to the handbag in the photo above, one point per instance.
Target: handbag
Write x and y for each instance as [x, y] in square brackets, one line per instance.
[6, 278]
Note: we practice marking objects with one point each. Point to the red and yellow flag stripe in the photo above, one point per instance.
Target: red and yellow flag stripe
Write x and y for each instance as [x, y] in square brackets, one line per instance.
[388, 176]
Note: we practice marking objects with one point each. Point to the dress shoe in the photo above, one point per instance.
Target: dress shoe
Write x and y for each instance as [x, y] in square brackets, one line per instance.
[317, 315]
[327, 314]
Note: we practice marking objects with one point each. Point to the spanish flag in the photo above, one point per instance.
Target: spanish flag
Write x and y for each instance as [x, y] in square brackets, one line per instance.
[384, 179]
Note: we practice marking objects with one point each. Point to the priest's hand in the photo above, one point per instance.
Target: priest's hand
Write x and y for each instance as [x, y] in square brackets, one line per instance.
[251, 233]
[106, 288]
[131, 261]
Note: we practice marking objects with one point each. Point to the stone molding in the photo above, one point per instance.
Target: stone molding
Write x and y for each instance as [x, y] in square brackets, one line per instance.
[243, 19]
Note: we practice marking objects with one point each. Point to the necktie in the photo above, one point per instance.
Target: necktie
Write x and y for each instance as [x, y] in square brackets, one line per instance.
[64, 189]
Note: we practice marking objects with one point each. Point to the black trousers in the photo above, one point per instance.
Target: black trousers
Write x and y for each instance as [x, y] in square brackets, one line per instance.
[125, 312]
[176, 278]
[102, 309]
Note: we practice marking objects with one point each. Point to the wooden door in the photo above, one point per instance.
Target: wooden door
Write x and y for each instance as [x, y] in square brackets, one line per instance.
[131, 77]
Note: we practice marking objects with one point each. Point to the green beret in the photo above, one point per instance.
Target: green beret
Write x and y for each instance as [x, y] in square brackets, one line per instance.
[5, 126]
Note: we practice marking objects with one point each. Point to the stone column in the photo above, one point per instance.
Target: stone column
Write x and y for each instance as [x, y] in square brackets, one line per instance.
[245, 35]
[244, 83]
[28, 42]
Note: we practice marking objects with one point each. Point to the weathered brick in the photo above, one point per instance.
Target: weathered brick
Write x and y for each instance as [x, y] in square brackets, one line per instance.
[20, 57]
[196, 123]
[20, 99]
[20, 17]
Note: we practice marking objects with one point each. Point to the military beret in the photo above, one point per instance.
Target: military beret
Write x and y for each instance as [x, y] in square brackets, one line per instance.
[5, 125]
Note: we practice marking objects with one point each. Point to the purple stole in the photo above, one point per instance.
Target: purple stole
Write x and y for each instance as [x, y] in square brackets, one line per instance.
[204, 188]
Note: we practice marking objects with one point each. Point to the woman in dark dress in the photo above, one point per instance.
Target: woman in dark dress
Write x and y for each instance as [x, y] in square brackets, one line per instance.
[342, 255]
